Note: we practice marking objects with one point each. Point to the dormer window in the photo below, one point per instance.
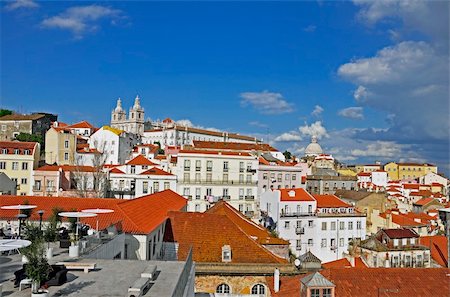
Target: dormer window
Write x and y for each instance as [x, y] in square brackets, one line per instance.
[226, 253]
[26, 152]
[16, 151]
[4, 151]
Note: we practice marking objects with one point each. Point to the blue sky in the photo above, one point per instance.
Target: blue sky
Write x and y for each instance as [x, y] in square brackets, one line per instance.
[370, 79]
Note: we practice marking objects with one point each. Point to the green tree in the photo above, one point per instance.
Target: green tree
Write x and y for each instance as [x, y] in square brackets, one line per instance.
[160, 150]
[38, 267]
[4, 112]
[26, 212]
[30, 137]
[287, 155]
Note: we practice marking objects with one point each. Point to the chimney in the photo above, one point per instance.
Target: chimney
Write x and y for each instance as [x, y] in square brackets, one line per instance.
[276, 280]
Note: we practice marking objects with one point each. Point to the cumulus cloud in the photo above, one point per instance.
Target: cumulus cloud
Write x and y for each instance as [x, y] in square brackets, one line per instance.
[266, 102]
[82, 19]
[360, 94]
[355, 113]
[317, 111]
[315, 129]
[185, 123]
[288, 136]
[380, 149]
[18, 4]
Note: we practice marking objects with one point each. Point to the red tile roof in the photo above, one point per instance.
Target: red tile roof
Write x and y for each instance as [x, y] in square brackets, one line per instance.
[72, 168]
[256, 231]
[140, 160]
[329, 201]
[364, 174]
[411, 186]
[140, 216]
[438, 245]
[374, 282]
[155, 171]
[10, 146]
[423, 193]
[82, 124]
[207, 233]
[297, 194]
[400, 233]
[116, 170]
[233, 146]
[341, 263]
[402, 220]
[209, 152]
[424, 201]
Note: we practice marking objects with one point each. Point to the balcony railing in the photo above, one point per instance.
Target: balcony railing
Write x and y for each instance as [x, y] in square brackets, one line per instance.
[297, 214]
[299, 230]
[249, 197]
[226, 197]
[298, 248]
[219, 182]
[249, 213]
[188, 197]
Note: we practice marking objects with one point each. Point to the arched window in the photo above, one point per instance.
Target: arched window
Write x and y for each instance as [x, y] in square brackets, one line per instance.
[223, 289]
[258, 289]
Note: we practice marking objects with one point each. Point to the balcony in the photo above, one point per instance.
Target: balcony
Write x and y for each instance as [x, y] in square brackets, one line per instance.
[297, 214]
[250, 170]
[249, 213]
[333, 247]
[218, 182]
[122, 191]
[298, 248]
[187, 168]
[226, 197]
[299, 230]
[250, 197]
[188, 197]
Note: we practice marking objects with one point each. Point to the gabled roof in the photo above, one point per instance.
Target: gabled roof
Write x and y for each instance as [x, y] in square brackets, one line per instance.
[256, 231]
[293, 195]
[82, 124]
[424, 201]
[140, 160]
[116, 170]
[402, 220]
[207, 233]
[155, 171]
[438, 245]
[316, 280]
[341, 263]
[400, 233]
[113, 130]
[329, 201]
[139, 216]
[364, 174]
[309, 257]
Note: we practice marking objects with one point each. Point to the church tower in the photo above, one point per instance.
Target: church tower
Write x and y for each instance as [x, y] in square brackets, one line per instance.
[118, 116]
[136, 117]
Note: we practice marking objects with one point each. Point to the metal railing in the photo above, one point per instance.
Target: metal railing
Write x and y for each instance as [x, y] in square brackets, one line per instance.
[218, 182]
[299, 230]
[297, 214]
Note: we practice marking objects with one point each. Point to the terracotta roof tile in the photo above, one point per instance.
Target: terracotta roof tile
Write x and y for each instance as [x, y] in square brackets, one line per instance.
[22, 117]
[341, 263]
[297, 194]
[331, 201]
[140, 216]
[207, 233]
[82, 124]
[140, 160]
[438, 246]
[72, 168]
[400, 233]
[155, 171]
[210, 152]
[424, 201]
[116, 170]
[260, 233]
[11, 146]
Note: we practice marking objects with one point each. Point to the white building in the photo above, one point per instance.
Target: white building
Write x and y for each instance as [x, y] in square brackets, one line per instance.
[322, 224]
[207, 176]
[116, 145]
[168, 133]
[135, 121]
[431, 178]
[379, 178]
[139, 177]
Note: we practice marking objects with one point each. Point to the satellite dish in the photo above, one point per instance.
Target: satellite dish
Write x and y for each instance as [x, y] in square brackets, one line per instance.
[297, 262]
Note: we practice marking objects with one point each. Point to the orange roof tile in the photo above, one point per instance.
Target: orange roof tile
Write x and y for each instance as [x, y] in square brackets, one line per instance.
[373, 282]
[402, 220]
[424, 201]
[116, 170]
[364, 174]
[438, 246]
[11, 146]
[139, 216]
[82, 124]
[72, 168]
[209, 152]
[155, 171]
[207, 233]
[411, 186]
[329, 201]
[297, 194]
[140, 160]
[260, 233]
[341, 263]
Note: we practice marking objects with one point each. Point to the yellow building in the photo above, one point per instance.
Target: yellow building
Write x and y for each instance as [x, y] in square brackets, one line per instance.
[60, 146]
[398, 171]
[17, 161]
[367, 168]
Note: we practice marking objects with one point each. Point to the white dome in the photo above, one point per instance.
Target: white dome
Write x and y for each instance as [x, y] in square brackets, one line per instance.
[119, 106]
[313, 149]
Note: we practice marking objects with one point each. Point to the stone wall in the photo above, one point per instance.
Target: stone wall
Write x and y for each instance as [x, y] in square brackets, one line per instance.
[238, 284]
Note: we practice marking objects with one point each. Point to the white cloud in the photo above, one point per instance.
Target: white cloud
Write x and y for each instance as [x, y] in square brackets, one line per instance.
[81, 19]
[315, 129]
[317, 110]
[380, 149]
[267, 102]
[355, 113]
[21, 4]
[288, 136]
[360, 94]
[185, 123]
[258, 124]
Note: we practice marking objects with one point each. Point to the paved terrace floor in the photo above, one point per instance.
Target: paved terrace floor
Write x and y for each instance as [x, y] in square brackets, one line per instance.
[111, 278]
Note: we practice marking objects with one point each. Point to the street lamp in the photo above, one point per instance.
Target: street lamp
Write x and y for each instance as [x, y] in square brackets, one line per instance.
[21, 218]
[41, 213]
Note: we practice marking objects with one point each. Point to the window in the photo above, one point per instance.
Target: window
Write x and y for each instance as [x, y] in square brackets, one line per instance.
[358, 225]
[16, 151]
[186, 176]
[225, 177]
[395, 242]
[145, 187]
[310, 223]
[198, 165]
[66, 144]
[209, 177]
[264, 176]
[24, 181]
[187, 165]
[259, 289]
[2, 165]
[37, 185]
[4, 151]
[241, 178]
[3, 127]
[209, 165]
[225, 193]
[197, 193]
[286, 225]
[241, 168]
[66, 156]
[315, 292]
[341, 242]
[350, 225]
[225, 166]
[208, 191]
[26, 152]
[241, 193]
[310, 242]
[333, 225]
[197, 207]
[226, 253]
[324, 225]
[341, 225]
[197, 177]
[133, 169]
[155, 187]
[15, 165]
[294, 176]
[186, 191]
[279, 177]
[326, 292]
[323, 243]
[299, 244]
[249, 179]
[309, 209]
[287, 176]
[223, 289]
[166, 185]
